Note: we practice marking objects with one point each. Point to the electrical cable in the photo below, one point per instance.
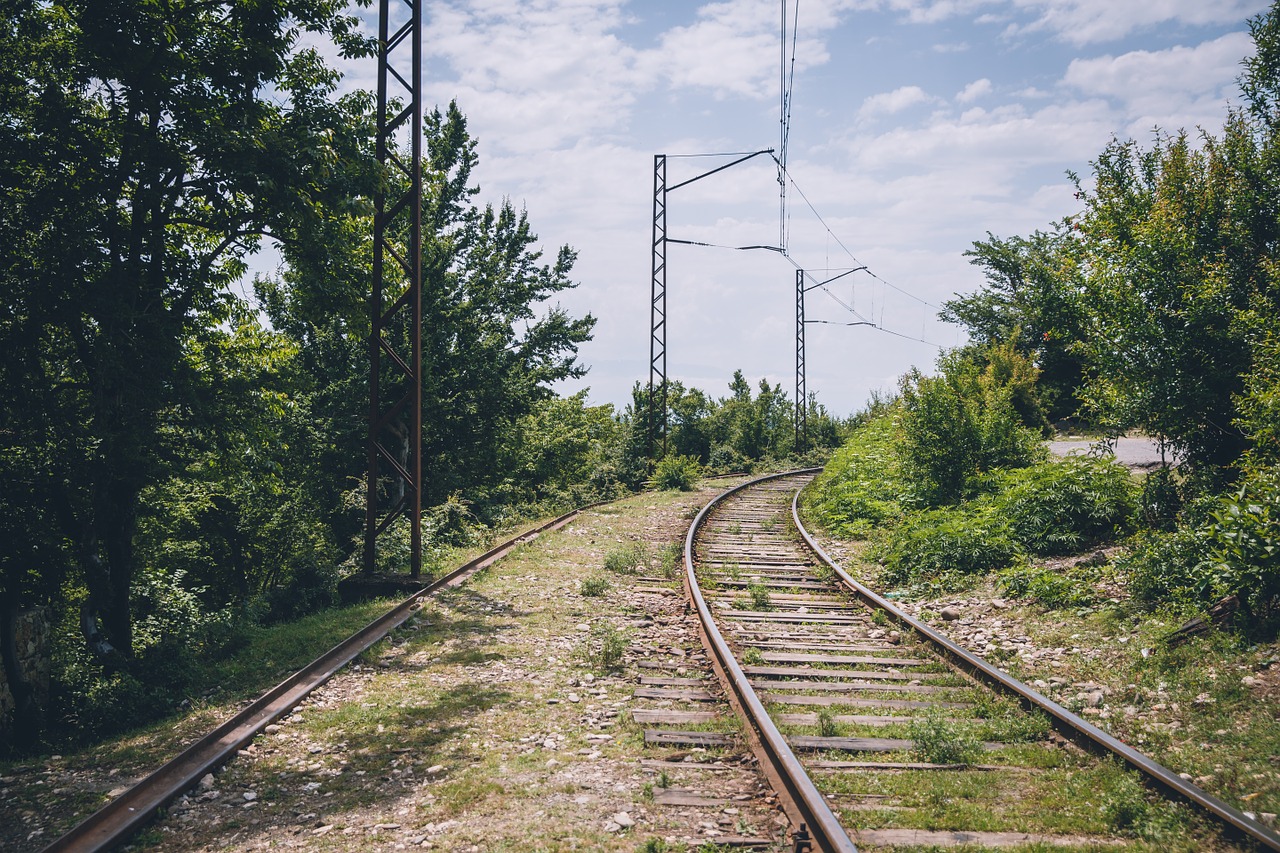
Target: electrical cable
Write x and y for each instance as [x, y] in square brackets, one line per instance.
[841, 244]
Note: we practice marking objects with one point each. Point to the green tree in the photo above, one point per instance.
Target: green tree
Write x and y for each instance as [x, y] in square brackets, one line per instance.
[1032, 299]
[149, 149]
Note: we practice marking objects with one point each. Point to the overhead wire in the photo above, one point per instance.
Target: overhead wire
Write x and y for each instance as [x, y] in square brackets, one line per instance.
[786, 84]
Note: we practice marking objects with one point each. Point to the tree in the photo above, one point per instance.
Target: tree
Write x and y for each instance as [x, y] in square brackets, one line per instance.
[1033, 299]
[151, 148]
[1176, 240]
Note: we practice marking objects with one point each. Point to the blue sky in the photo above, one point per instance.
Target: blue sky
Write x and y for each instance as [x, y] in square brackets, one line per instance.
[917, 127]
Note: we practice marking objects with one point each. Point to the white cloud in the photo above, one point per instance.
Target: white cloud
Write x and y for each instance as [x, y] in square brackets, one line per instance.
[1088, 21]
[1166, 82]
[1074, 21]
[526, 96]
[975, 90]
[887, 103]
[733, 47]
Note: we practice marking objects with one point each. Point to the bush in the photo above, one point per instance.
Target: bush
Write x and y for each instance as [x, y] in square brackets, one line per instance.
[1047, 587]
[856, 492]
[726, 459]
[1244, 542]
[594, 586]
[940, 440]
[1065, 506]
[942, 542]
[676, 472]
[626, 559]
[1169, 568]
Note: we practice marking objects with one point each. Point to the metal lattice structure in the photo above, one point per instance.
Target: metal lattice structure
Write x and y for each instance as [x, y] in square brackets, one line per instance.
[802, 393]
[658, 312]
[656, 416]
[395, 377]
[802, 396]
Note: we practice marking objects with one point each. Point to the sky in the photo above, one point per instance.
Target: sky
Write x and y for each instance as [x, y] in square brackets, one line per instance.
[917, 127]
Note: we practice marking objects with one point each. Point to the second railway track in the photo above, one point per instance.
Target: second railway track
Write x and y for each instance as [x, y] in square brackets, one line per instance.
[880, 733]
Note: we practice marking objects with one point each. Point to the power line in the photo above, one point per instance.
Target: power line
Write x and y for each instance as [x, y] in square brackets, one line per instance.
[840, 242]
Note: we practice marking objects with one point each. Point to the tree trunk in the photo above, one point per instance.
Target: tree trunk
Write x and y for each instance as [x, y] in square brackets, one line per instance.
[28, 716]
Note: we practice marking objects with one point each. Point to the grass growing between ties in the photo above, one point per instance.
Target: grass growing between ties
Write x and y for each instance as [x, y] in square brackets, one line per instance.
[937, 740]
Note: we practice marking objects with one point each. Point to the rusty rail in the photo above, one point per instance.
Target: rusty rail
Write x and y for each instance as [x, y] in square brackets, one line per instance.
[818, 829]
[115, 822]
[1068, 723]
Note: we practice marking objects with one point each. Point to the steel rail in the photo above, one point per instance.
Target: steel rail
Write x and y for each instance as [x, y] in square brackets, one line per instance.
[824, 830]
[115, 822]
[1066, 722]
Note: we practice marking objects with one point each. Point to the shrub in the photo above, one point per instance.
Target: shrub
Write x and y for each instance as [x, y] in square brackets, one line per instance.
[1244, 542]
[1161, 500]
[942, 542]
[726, 459]
[940, 441]
[626, 559]
[1047, 587]
[1065, 506]
[857, 490]
[593, 586]
[676, 472]
[1169, 568]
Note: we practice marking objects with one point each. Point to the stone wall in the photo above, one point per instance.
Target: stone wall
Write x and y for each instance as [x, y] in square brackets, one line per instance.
[33, 648]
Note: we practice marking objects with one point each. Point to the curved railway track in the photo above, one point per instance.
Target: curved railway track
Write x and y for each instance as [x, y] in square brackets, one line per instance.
[873, 727]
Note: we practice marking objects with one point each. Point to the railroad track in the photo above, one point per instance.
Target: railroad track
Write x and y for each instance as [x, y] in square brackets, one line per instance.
[876, 730]
[117, 821]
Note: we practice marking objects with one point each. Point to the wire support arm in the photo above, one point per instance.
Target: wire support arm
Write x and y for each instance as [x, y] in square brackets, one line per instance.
[768, 151]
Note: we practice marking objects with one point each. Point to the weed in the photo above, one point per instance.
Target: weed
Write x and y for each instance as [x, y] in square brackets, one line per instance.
[654, 845]
[827, 723]
[940, 741]
[759, 596]
[734, 529]
[664, 781]
[606, 647]
[768, 524]
[670, 558]
[1127, 807]
[646, 793]
[752, 657]
[879, 617]
[626, 559]
[733, 570]
[594, 586]
[1049, 588]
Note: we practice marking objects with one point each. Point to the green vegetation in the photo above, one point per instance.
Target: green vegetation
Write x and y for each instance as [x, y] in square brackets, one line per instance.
[760, 599]
[1153, 309]
[183, 462]
[676, 472]
[605, 647]
[938, 740]
[627, 559]
[593, 586]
